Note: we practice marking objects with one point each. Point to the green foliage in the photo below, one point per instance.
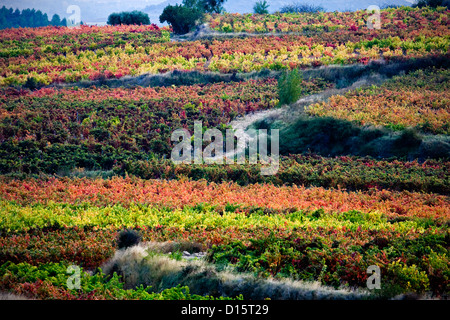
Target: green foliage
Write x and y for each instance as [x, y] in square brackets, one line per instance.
[32, 83]
[56, 20]
[10, 18]
[409, 278]
[407, 141]
[181, 18]
[125, 17]
[290, 86]
[128, 238]
[211, 6]
[330, 136]
[309, 257]
[326, 136]
[261, 7]
[438, 269]
[432, 3]
[301, 8]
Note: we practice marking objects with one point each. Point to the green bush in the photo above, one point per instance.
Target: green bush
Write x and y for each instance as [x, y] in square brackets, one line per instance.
[32, 83]
[410, 278]
[181, 18]
[133, 17]
[438, 268]
[128, 238]
[408, 140]
[290, 86]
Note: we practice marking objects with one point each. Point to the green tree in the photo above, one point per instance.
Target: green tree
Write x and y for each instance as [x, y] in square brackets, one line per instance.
[193, 4]
[56, 20]
[207, 6]
[181, 18]
[261, 7]
[126, 17]
[300, 8]
[432, 3]
[213, 6]
[10, 18]
[114, 19]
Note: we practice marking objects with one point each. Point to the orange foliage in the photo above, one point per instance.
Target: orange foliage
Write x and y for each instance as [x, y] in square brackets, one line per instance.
[177, 193]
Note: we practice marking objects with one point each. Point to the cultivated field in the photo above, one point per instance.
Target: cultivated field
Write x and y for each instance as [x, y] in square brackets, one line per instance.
[86, 120]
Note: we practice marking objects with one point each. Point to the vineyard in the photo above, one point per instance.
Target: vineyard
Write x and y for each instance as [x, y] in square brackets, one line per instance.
[363, 177]
[89, 54]
[420, 99]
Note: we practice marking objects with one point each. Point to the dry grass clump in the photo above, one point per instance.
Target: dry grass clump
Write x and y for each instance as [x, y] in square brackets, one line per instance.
[144, 264]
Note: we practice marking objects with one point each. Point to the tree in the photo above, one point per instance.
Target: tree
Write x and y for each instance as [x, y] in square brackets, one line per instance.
[300, 8]
[10, 18]
[125, 17]
[261, 7]
[212, 6]
[17, 18]
[45, 20]
[181, 18]
[140, 17]
[114, 19]
[56, 20]
[206, 6]
[432, 3]
[193, 4]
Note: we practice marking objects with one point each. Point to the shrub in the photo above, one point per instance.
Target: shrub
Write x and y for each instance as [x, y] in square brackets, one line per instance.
[32, 83]
[434, 149]
[133, 17]
[301, 8]
[408, 277]
[320, 135]
[409, 140]
[438, 268]
[181, 18]
[290, 86]
[128, 238]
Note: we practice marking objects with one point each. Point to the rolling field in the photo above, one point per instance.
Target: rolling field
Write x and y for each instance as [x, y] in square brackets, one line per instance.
[363, 180]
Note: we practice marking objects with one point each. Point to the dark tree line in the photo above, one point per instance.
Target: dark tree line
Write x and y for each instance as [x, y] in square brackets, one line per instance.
[10, 18]
[432, 3]
[133, 17]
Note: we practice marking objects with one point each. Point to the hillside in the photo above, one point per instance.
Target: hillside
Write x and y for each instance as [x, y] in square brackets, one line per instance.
[274, 157]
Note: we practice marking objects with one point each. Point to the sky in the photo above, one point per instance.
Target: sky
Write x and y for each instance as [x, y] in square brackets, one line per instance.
[90, 10]
[97, 11]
